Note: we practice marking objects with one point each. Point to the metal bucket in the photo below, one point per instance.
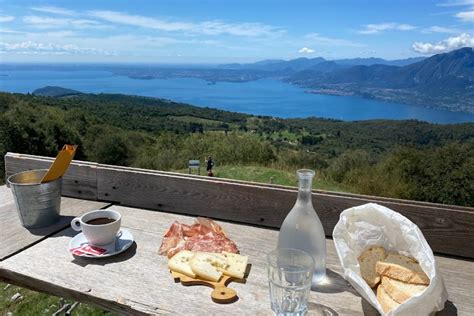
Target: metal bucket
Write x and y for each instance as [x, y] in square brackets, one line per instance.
[38, 204]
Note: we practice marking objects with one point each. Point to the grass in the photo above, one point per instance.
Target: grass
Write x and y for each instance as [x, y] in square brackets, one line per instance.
[192, 119]
[34, 303]
[267, 175]
[285, 135]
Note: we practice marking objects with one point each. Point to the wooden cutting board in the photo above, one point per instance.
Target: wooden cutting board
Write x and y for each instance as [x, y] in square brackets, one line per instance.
[221, 294]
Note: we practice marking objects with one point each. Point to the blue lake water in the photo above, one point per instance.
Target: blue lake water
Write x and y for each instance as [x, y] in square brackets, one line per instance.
[261, 97]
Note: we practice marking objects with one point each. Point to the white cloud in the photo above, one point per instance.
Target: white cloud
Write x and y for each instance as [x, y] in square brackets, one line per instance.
[465, 16]
[306, 50]
[53, 10]
[44, 22]
[9, 31]
[141, 21]
[455, 3]
[316, 38]
[405, 27]
[378, 28]
[30, 47]
[6, 18]
[449, 44]
[238, 29]
[440, 29]
[122, 44]
[206, 27]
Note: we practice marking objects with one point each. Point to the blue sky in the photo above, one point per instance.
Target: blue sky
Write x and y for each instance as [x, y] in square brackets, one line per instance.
[229, 31]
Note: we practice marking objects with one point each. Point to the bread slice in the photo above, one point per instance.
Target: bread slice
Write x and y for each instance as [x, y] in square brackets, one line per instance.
[402, 268]
[367, 261]
[180, 263]
[400, 291]
[385, 300]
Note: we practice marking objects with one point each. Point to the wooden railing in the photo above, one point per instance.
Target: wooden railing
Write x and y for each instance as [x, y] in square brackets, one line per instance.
[447, 228]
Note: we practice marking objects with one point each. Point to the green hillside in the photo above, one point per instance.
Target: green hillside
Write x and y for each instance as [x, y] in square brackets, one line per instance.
[405, 159]
[269, 175]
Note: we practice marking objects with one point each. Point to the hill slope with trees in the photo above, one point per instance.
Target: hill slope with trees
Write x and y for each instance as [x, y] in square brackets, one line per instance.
[406, 159]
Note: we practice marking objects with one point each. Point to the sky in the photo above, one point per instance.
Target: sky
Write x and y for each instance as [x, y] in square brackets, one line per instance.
[223, 31]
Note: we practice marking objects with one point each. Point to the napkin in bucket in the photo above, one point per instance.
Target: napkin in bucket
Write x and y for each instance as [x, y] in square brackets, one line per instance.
[375, 225]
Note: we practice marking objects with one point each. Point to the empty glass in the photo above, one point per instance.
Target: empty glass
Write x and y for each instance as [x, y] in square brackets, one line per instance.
[289, 278]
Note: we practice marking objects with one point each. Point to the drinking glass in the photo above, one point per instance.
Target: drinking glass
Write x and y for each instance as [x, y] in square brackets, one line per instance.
[289, 278]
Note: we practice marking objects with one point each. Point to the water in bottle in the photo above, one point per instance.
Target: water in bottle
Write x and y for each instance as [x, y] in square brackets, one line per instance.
[302, 228]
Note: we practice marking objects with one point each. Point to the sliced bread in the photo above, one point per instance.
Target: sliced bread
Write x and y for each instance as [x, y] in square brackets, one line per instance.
[367, 261]
[402, 268]
[385, 300]
[400, 291]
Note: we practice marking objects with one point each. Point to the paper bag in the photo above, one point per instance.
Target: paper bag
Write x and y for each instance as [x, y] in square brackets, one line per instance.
[375, 225]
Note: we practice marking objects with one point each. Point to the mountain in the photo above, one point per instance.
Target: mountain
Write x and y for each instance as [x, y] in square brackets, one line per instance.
[443, 80]
[451, 70]
[276, 65]
[297, 64]
[300, 64]
[326, 67]
[404, 62]
[255, 65]
[316, 71]
[53, 91]
[373, 61]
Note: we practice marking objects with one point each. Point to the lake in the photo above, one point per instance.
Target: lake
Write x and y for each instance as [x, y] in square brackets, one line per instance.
[261, 97]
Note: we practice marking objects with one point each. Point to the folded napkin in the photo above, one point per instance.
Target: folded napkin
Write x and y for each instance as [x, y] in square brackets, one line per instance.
[88, 250]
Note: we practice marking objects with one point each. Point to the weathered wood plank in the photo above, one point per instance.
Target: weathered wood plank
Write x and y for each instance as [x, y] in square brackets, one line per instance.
[448, 231]
[446, 227]
[138, 281]
[80, 180]
[14, 237]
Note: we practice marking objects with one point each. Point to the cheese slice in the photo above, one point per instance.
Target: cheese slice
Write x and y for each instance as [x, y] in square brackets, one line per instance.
[209, 266]
[215, 259]
[204, 265]
[180, 263]
[236, 265]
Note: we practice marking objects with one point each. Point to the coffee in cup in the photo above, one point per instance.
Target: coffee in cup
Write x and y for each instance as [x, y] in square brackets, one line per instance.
[100, 227]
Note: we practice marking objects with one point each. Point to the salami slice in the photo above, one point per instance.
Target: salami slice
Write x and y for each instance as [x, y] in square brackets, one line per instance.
[204, 235]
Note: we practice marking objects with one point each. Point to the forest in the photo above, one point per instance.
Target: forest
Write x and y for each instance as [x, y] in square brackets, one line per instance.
[404, 159]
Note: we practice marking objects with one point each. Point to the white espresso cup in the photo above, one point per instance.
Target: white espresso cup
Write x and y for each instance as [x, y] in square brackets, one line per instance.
[100, 227]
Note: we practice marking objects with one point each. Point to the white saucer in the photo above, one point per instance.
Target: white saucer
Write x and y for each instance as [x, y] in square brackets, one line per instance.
[122, 242]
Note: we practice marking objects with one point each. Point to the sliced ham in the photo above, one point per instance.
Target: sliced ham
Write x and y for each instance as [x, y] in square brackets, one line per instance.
[203, 235]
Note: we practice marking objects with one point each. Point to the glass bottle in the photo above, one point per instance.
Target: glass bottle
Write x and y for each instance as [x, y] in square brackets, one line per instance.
[302, 228]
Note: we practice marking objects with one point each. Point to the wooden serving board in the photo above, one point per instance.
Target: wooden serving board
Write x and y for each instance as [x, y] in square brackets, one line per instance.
[221, 294]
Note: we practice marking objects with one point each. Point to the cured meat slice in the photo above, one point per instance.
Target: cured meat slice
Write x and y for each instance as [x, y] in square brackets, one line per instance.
[172, 237]
[203, 235]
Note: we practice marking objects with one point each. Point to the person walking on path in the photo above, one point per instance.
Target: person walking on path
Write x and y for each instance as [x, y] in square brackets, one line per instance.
[210, 164]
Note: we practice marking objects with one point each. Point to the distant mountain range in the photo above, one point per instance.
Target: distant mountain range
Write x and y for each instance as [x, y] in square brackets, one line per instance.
[443, 81]
[300, 64]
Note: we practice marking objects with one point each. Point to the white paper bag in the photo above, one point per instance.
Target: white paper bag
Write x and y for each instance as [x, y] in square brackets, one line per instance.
[375, 225]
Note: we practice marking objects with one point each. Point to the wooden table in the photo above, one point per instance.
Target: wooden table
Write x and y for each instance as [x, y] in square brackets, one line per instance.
[138, 281]
[15, 237]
